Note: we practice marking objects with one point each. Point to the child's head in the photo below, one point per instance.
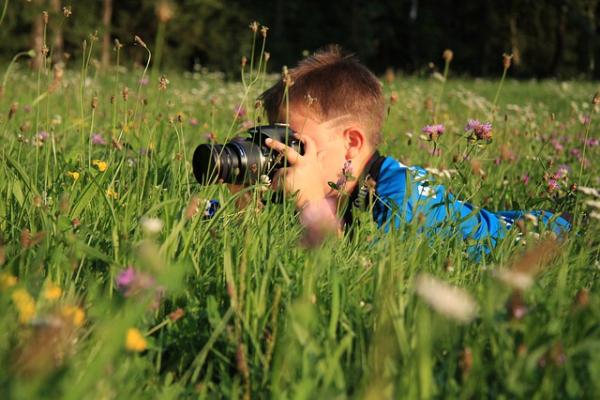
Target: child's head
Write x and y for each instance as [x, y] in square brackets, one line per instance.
[334, 100]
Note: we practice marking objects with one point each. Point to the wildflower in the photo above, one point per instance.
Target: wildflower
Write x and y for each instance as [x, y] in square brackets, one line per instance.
[111, 193]
[24, 304]
[143, 81]
[596, 99]
[592, 142]
[193, 122]
[163, 82]
[98, 139]
[239, 111]
[74, 175]
[131, 282]
[263, 31]
[525, 179]
[433, 131]
[135, 340]
[479, 130]
[138, 40]
[67, 12]
[7, 280]
[562, 172]
[42, 136]
[125, 93]
[448, 300]
[177, 314]
[254, 26]
[448, 55]
[319, 220]
[506, 60]
[51, 291]
[73, 314]
[151, 226]
[101, 165]
[553, 185]
[164, 11]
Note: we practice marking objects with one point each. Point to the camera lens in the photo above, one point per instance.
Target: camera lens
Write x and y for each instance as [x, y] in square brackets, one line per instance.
[235, 162]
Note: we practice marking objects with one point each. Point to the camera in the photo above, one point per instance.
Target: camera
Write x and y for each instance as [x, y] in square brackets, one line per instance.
[244, 160]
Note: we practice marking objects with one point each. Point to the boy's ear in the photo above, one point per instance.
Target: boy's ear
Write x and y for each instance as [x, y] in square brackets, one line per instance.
[355, 140]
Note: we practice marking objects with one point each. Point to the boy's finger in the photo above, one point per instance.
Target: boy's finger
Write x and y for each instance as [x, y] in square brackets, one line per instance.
[291, 154]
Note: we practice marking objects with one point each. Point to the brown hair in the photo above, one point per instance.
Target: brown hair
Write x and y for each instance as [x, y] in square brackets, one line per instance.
[330, 84]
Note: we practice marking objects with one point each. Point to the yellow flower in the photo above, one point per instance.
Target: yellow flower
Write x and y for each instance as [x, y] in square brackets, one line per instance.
[135, 340]
[52, 292]
[73, 314]
[74, 175]
[101, 165]
[25, 305]
[111, 193]
[7, 280]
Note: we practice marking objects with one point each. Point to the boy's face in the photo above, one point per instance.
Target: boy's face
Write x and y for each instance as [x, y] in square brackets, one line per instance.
[329, 142]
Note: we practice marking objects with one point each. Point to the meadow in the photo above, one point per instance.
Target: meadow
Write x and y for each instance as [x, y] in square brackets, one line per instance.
[116, 280]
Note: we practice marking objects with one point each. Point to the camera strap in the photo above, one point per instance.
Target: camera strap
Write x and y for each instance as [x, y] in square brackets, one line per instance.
[360, 198]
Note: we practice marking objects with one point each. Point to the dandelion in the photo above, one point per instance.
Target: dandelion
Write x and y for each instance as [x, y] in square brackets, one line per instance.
[74, 175]
[7, 280]
[135, 340]
[73, 314]
[98, 139]
[448, 300]
[25, 305]
[51, 291]
[151, 226]
[433, 131]
[479, 130]
[101, 165]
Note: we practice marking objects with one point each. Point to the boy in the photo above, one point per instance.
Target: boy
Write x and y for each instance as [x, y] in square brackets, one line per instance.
[336, 107]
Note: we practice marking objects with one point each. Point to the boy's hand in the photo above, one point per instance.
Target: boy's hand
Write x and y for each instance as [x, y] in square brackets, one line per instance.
[303, 174]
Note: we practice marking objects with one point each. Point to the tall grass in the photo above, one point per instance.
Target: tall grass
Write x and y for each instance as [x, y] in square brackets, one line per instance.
[231, 306]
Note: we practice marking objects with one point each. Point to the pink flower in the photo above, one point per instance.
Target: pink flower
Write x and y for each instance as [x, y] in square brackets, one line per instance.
[143, 81]
[481, 131]
[592, 142]
[345, 176]
[98, 139]
[131, 282]
[563, 171]
[42, 136]
[433, 131]
[319, 220]
[525, 179]
[557, 145]
[193, 122]
[553, 185]
[239, 111]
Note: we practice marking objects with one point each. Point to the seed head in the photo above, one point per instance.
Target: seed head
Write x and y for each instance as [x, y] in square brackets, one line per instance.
[94, 102]
[138, 40]
[125, 93]
[164, 11]
[163, 82]
[244, 61]
[45, 17]
[448, 55]
[118, 44]
[263, 31]
[254, 26]
[67, 12]
[506, 60]
[596, 99]
[267, 56]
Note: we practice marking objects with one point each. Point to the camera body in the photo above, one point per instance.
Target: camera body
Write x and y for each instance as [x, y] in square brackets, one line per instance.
[244, 160]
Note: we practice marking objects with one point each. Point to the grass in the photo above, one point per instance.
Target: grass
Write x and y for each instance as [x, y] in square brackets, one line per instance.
[231, 306]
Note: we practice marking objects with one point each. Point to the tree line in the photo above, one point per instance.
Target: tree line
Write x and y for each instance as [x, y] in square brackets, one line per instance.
[547, 38]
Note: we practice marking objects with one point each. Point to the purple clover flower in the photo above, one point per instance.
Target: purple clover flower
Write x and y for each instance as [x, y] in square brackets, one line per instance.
[126, 278]
[98, 139]
[553, 185]
[240, 111]
[433, 131]
[42, 136]
[480, 130]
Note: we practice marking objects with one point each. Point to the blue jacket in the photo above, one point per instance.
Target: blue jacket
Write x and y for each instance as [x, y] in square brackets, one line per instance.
[402, 193]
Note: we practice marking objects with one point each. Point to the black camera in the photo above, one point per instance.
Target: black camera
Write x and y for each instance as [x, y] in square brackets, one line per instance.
[244, 160]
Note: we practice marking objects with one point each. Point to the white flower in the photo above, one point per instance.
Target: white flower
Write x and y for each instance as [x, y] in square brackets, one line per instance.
[151, 226]
[446, 299]
[589, 191]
